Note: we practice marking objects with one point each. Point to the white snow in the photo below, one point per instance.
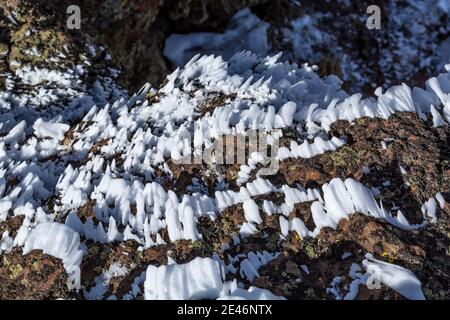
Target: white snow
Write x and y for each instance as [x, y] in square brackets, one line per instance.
[232, 291]
[44, 129]
[132, 138]
[5, 205]
[102, 281]
[251, 212]
[59, 241]
[6, 243]
[249, 33]
[250, 265]
[398, 278]
[345, 255]
[429, 208]
[201, 278]
[439, 198]
[308, 150]
[342, 198]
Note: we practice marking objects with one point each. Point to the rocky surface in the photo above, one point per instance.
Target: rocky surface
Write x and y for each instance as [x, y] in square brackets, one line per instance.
[33, 276]
[411, 45]
[132, 31]
[49, 72]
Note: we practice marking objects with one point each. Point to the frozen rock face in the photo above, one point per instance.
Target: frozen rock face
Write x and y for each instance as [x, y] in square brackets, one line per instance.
[133, 32]
[116, 183]
[141, 36]
[333, 35]
[60, 241]
[174, 16]
[116, 192]
[45, 68]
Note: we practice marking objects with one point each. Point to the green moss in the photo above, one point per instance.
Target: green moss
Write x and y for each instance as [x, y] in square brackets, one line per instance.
[345, 157]
[287, 289]
[6, 262]
[105, 253]
[427, 292]
[98, 269]
[389, 257]
[408, 160]
[272, 241]
[197, 245]
[361, 121]
[292, 268]
[39, 31]
[310, 251]
[35, 266]
[227, 224]
[311, 294]
[93, 250]
[25, 282]
[16, 270]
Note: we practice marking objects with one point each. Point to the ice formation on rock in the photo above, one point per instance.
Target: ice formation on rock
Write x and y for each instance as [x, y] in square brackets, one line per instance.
[400, 279]
[113, 160]
[59, 241]
[202, 278]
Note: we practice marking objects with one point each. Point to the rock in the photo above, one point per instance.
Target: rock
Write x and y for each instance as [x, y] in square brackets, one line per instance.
[33, 276]
[50, 75]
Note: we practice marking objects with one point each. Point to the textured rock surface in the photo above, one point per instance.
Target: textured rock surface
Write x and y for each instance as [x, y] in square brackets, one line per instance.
[404, 160]
[32, 276]
[133, 31]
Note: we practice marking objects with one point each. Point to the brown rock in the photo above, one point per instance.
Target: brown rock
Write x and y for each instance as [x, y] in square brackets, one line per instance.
[32, 276]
